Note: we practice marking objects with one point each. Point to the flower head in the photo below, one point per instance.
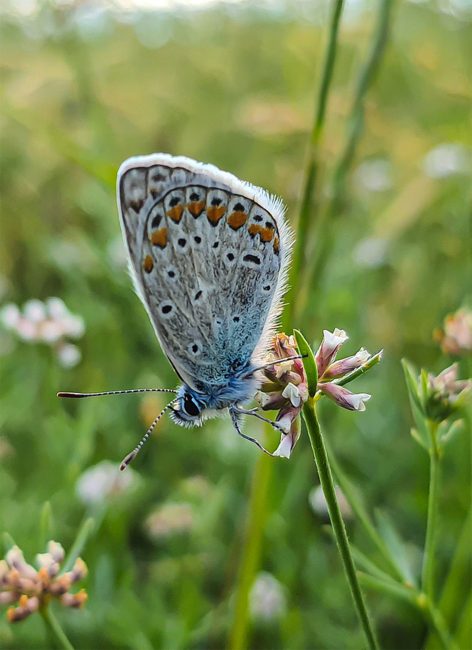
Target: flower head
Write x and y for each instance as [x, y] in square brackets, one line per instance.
[456, 336]
[446, 393]
[285, 386]
[103, 482]
[48, 322]
[285, 389]
[267, 600]
[26, 589]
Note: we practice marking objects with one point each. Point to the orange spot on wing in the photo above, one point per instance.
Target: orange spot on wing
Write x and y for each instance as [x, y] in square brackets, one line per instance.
[175, 213]
[148, 264]
[196, 208]
[237, 219]
[265, 234]
[159, 238]
[215, 212]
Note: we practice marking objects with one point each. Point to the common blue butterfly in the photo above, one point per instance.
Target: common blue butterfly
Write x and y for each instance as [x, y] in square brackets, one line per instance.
[209, 256]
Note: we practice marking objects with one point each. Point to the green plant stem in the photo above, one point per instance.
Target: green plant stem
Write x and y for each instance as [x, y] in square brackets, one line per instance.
[427, 573]
[251, 545]
[54, 628]
[312, 164]
[339, 530]
[457, 581]
[258, 503]
[326, 230]
[361, 513]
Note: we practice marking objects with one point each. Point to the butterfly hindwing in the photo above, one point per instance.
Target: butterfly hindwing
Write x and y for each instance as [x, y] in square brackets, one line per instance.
[208, 254]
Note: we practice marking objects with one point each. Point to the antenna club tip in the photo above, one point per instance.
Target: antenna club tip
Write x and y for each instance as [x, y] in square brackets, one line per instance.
[127, 460]
[62, 393]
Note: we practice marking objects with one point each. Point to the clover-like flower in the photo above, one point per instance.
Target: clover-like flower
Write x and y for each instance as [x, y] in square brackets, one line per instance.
[446, 394]
[285, 389]
[285, 386]
[48, 322]
[27, 589]
[456, 336]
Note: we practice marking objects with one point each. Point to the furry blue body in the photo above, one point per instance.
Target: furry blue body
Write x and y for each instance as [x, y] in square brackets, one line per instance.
[240, 388]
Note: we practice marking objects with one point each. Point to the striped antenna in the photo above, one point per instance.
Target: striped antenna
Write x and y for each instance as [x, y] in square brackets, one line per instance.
[117, 392]
[132, 455]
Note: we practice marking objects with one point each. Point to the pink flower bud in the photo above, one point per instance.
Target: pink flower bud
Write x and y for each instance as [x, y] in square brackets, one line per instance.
[344, 397]
[343, 366]
[328, 349]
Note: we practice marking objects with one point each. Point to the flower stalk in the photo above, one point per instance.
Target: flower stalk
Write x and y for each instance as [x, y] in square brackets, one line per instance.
[339, 529]
[427, 574]
[54, 628]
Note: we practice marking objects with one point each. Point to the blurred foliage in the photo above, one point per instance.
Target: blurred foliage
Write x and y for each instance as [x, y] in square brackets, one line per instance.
[233, 86]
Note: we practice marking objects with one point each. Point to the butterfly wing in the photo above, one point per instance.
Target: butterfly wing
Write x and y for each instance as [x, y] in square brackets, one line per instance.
[209, 256]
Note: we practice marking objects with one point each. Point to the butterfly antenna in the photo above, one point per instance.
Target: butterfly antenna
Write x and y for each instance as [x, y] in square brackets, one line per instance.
[274, 363]
[117, 392]
[132, 455]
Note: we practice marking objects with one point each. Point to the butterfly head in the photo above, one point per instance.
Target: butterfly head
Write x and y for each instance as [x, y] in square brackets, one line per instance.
[189, 407]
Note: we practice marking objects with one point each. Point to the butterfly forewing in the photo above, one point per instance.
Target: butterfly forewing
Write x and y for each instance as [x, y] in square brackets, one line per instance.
[208, 254]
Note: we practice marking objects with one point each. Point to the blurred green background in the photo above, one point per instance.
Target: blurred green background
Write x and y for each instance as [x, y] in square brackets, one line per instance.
[87, 84]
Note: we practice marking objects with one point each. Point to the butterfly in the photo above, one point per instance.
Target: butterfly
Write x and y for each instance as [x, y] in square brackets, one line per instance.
[209, 256]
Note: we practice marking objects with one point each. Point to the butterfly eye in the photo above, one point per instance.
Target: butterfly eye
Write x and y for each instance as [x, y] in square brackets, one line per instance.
[190, 406]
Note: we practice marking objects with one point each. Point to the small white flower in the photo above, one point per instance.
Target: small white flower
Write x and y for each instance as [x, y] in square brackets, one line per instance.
[170, 519]
[267, 600]
[103, 481]
[371, 252]
[26, 330]
[447, 159]
[334, 339]
[284, 450]
[291, 392]
[318, 503]
[375, 175]
[73, 326]
[68, 355]
[51, 331]
[10, 315]
[34, 310]
[56, 307]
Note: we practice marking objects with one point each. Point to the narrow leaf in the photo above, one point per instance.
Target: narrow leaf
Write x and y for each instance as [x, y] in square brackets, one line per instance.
[79, 543]
[309, 362]
[396, 546]
[412, 384]
[419, 438]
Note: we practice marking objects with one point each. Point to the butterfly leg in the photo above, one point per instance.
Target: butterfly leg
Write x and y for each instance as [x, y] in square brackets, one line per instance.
[234, 417]
[254, 413]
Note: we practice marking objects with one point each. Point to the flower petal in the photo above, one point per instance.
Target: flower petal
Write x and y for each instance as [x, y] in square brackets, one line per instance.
[328, 349]
[344, 397]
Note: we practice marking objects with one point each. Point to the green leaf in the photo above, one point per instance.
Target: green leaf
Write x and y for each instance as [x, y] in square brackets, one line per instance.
[451, 431]
[424, 385]
[412, 384]
[396, 546]
[309, 362]
[419, 438]
[79, 543]
[387, 587]
[45, 524]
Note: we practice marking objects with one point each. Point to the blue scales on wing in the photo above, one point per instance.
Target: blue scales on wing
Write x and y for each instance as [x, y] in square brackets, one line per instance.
[208, 255]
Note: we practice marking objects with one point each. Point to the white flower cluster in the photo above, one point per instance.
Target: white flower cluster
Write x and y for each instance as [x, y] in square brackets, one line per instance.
[267, 599]
[48, 322]
[103, 482]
